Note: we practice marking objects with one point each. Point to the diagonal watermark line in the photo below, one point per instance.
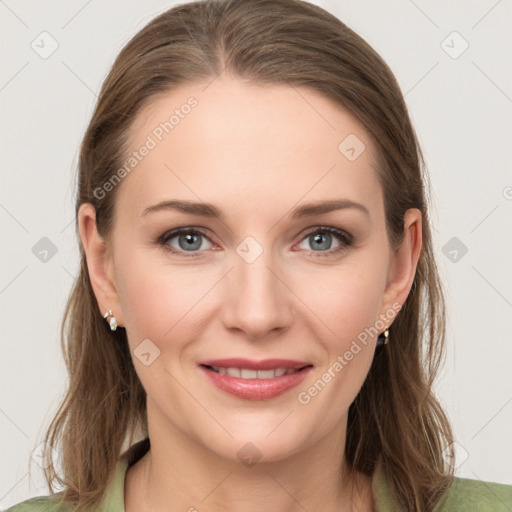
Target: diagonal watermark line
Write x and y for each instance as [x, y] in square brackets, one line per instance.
[213, 79]
[14, 76]
[198, 301]
[286, 490]
[217, 486]
[295, 89]
[199, 403]
[492, 8]
[165, 165]
[503, 407]
[303, 196]
[492, 81]
[74, 277]
[13, 279]
[421, 79]
[503, 297]
[424, 14]
[507, 505]
[334, 334]
[280, 423]
[14, 486]
[68, 224]
[76, 14]
[5, 5]
[79, 78]
[14, 423]
[14, 218]
[484, 218]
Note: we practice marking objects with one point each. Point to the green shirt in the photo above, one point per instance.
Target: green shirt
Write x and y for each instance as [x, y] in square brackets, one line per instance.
[465, 495]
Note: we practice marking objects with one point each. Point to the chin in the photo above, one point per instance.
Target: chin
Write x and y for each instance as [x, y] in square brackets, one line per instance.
[250, 445]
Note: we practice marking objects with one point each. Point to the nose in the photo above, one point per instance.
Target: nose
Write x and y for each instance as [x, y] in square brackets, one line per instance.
[257, 300]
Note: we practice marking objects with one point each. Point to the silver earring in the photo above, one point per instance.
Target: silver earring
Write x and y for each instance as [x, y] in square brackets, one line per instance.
[383, 338]
[112, 321]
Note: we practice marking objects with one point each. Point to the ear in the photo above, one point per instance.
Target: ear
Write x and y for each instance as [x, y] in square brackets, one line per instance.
[404, 261]
[99, 263]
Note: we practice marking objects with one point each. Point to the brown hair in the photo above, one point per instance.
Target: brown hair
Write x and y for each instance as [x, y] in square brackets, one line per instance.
[395, 416]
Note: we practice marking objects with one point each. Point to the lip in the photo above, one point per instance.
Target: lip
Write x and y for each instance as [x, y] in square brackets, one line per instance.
[256, 389]
[265, 364]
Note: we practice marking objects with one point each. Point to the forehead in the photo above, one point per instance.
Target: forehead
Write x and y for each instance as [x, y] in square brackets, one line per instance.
[243, 145]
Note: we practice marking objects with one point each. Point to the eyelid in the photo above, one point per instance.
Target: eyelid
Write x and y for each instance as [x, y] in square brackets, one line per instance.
[183, 230]
[346, 239]
[331, 230]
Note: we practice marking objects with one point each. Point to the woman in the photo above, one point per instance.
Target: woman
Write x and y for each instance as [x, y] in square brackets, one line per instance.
[258, 303]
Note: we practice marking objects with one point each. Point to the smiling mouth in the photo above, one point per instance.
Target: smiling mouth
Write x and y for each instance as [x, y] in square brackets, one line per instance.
[264, 381]
[250, 374]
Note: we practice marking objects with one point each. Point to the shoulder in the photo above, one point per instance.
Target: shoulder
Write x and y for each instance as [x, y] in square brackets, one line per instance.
[113, 500]
[49, 503]
[476, 496]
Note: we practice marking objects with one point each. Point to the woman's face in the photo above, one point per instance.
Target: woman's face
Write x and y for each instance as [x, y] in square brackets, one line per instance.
[259, 281]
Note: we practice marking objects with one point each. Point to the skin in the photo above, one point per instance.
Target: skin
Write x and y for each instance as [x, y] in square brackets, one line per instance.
[256, 152]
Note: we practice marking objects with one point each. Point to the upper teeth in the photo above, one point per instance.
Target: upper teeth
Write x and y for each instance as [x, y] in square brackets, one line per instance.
[245, 373]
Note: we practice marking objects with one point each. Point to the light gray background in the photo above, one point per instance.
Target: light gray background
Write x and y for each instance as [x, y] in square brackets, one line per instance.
[461, 108]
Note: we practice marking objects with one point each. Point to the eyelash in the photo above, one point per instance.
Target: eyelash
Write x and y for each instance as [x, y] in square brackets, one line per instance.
[345, 238]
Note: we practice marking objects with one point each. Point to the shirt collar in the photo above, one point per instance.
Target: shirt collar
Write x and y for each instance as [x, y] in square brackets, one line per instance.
[113, 500]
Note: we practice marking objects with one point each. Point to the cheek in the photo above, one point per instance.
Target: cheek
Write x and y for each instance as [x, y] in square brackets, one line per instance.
[156, 299]
[348, 307]
[159, 304]
[346, 299]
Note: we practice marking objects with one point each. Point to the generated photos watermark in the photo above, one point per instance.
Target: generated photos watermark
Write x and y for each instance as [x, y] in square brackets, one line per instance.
[305, 397]
[152, 140]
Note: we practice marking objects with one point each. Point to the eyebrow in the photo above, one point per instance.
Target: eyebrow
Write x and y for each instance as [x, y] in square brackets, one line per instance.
[209, 210]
